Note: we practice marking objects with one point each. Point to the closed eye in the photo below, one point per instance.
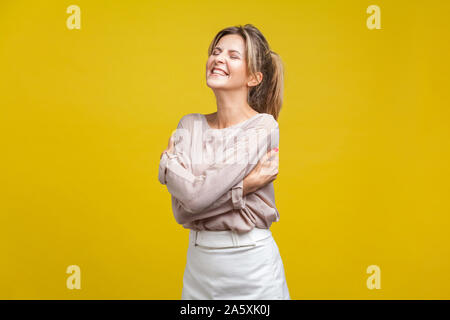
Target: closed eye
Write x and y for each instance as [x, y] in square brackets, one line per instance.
[232, 57]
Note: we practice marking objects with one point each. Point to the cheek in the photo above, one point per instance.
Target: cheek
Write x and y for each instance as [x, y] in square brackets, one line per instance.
[238, 70]
[208, 63]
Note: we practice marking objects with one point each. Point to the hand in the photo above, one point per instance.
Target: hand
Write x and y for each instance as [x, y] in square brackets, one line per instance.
[265, 172]
[169, 148]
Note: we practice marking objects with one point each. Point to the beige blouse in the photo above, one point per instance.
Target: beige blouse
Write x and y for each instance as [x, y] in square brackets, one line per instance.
[205, 174]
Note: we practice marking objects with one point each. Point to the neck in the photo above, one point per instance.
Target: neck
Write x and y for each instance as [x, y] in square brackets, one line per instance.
[232, 108]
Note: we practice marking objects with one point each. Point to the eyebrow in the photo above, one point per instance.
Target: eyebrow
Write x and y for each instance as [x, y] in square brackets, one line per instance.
[217, 47]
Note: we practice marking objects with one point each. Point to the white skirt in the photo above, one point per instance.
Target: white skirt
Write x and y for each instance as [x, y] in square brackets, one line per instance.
[224, 265]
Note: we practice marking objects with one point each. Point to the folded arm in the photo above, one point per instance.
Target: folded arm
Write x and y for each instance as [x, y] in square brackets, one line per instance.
[220, 182]
[231, 200]
[255, 204]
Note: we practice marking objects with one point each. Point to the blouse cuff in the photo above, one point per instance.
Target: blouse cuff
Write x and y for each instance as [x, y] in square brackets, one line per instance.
[237, 195]
[163, 166]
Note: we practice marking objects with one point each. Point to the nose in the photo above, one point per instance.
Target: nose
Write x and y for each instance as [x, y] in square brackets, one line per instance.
[219, 58]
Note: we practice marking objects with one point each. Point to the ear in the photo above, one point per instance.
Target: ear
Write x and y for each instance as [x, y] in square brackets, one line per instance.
[255, 80]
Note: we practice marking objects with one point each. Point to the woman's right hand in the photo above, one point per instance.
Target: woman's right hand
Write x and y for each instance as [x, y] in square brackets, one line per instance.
[169, 148]
[265, 172]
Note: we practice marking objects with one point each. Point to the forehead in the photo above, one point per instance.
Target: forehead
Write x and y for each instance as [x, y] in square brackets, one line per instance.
[232, 42]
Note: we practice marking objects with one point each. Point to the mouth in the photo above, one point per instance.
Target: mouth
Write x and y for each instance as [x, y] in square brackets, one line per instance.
[215, 72]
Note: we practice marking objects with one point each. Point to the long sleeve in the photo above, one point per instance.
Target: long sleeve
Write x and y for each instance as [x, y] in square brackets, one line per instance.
[259, 211]
[254, 204]
[179, 152]
[195, 193]
[231, 200]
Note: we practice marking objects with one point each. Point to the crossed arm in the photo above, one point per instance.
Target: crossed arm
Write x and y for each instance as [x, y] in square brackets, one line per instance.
[219, 190]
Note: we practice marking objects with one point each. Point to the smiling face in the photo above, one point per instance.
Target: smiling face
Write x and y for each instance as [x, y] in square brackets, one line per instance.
[226, 67]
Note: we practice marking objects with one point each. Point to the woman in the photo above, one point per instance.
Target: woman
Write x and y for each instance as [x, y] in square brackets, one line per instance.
[227, 202]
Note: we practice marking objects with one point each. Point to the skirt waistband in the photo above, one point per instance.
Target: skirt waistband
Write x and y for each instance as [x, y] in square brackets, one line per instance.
[227, 238]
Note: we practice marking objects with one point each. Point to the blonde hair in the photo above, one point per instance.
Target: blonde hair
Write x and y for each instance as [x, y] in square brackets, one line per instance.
[267, 96]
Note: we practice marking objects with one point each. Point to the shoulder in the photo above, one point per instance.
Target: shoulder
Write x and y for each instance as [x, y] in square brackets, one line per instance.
[267, 120]
[187, 120]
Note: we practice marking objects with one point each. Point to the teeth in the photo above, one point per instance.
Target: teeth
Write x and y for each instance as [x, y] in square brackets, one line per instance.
[215, 71]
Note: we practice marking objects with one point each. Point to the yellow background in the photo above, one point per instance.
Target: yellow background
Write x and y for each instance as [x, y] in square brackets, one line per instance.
[85, 114]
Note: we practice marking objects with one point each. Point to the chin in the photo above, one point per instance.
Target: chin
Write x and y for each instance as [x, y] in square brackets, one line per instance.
[215, 85]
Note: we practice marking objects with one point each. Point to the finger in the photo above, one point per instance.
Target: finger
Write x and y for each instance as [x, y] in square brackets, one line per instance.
[276, 159]
[270, 155]
[264, 157]
[274, 166]
[171, 143]
[268, 170]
